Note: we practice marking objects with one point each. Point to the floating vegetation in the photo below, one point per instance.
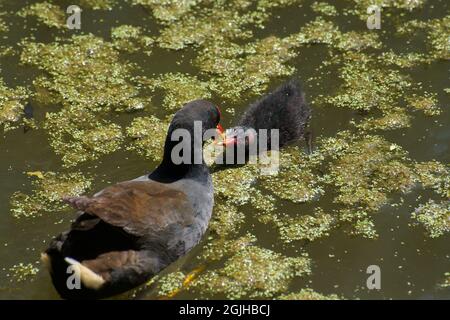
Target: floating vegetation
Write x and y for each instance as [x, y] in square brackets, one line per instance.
[179, 89]
[434, 216]
[396, 118]
[253, 272]
[245, 70]
[98, 4]
[130, 39]
[47, 13]
[406, 60]
[22, 272]
[234, 185]
[304, 227]
[324, 8]
[149, 135]
[220, 247]
[226, 219]
[308, 294]
[170, 284]
[296, 180]
[426, 103]
[48, 190]
[446, 283]
[12, 103]
[369, 170]
[3, 26]
[78, 135]
[168, 10]
[367, 87]
[435, 175]
[85, 71]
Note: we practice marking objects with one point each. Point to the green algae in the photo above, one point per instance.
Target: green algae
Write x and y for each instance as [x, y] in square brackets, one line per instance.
[226, 220]
[12, 103]
[148, 136]
[435, 175]
[368, 171]
[434, 216]
[253, 272]
[360, 6]
[239, 71]
[78, 135]
[48, 190]
[222, 20]
[396, 118]
[85, 71]
[3, 25]
[168, 284]
[168, 10]
[179, 89]
[130, 39]
[22, 272]
[220, 247]
[308, 294]
[47, 13]
[305, 227]
[406, 60]
[366, 86]
[426, 103]
[235, 185]
[446, 282]
[295, 180]
[324, 8]
[98, 4]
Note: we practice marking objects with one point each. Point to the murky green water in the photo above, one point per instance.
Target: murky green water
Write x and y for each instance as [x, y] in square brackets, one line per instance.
[380, 120]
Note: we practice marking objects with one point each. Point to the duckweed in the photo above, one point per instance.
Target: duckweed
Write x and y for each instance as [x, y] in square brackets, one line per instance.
[426, 103]
[148, 136]
[48, 189]
[98, 4]
[305, 227]
[434, 216]
[171, 283]
[324, 8]
[47, 13]
[130, 39]
[226, 219]
[78, 135]
[253, 272]
[296, 180]
[85, 71]
[308, 294]
[22, 272]
[179, 89]
[12, 103]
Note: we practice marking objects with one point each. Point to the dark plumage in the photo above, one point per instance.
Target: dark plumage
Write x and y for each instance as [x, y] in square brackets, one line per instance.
[284, 109]
[128, 232]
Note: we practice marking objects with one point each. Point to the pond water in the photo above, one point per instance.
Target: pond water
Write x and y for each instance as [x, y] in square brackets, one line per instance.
[375, 191]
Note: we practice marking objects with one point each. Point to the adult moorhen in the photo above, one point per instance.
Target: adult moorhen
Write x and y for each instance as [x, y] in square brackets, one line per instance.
[128, 232]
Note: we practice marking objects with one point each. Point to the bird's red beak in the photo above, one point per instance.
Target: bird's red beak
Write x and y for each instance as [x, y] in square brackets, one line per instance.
[229, 141]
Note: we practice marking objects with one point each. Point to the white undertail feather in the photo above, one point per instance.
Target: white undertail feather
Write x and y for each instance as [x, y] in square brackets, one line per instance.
[46, 261]
[89, 278]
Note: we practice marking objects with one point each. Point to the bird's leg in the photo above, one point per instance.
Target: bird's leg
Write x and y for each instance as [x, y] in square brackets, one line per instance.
[187, 280]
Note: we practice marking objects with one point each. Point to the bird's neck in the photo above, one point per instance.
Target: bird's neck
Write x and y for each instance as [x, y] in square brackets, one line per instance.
[171, 169]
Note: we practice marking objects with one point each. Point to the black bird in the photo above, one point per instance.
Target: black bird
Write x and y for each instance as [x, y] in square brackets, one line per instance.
[130, 231]
[284, 109]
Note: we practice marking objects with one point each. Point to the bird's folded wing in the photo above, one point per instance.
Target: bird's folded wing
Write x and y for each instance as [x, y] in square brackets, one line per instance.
[139, 207]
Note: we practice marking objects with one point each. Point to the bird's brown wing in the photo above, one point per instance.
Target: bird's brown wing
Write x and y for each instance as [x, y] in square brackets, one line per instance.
[139, 207]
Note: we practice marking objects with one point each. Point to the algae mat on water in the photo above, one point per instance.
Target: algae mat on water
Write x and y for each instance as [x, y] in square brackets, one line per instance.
[80, 109]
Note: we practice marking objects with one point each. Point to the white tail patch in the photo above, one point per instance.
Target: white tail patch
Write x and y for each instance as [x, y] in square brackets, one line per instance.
[89, 278]
[45, 259]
